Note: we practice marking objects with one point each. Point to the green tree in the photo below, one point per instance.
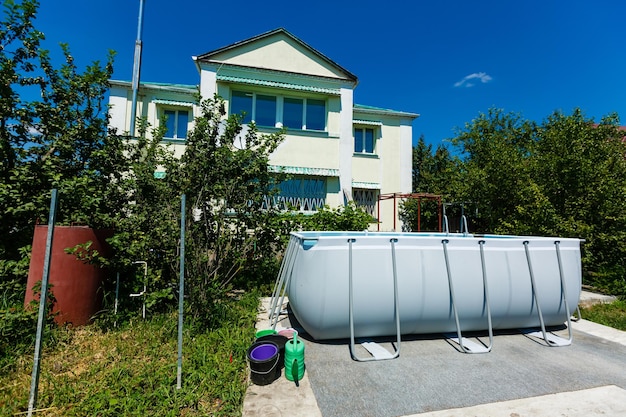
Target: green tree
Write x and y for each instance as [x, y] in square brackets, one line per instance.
[565, 177]
[580, 167]
[434, 172]
[224, 173]
[53, 134]
[496, 149]
[57, 140]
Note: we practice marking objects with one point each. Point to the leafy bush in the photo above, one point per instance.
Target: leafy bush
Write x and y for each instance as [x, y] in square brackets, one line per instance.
[343, 218]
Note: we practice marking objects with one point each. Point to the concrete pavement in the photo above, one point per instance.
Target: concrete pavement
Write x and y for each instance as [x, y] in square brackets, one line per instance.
[430, 377]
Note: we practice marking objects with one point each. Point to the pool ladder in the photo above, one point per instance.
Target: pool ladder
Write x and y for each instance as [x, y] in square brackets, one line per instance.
[385, 354]
[282, 283]
[466, 345]
[550, 338]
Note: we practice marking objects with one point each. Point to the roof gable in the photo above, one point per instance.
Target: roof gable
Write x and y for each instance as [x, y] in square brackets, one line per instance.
[278, 50]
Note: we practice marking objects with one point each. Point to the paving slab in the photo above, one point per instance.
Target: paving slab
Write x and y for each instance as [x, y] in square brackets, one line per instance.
[601, 401]
[431, 378]
[588, 298]
[281, 397]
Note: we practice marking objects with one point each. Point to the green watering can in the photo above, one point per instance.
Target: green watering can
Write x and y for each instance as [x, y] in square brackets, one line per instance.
[294, 359]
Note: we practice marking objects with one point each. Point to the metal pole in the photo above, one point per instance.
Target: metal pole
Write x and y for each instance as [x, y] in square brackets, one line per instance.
[394, 212]
[34, 384]
[181, 293]
[439, 211]
[419, 218]
[117, 295]
[136, 70]
[378, 214]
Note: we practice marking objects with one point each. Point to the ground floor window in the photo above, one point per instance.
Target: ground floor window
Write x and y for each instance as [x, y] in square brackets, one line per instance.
[366, 198]
[306, 194]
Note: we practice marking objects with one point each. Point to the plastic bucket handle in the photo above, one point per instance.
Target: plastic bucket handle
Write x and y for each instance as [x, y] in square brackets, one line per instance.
[266, 372]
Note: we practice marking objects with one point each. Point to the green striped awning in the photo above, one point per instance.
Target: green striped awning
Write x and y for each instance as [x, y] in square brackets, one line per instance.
[366, 185]
[320, 172]
[278, 84]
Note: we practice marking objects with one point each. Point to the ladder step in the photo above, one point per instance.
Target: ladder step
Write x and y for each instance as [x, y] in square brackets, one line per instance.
[469, 345]
[377, 351]
[551, 339]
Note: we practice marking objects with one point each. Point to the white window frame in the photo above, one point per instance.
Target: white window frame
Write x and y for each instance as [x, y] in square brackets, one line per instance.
[280, 105]
[162, 112]
[375, 135]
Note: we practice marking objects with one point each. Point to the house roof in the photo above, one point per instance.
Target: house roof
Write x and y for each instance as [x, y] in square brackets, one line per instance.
[361, 108]
[181, 88]
[212, 55]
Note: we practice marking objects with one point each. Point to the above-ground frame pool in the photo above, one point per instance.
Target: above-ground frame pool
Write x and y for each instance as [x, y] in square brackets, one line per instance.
[367, 284]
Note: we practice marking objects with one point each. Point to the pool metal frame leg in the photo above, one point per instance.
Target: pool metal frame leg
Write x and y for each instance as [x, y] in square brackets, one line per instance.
[557, 245]
[466, 345]
[481, 244]
[396, 305]
[550, 339]
[282, 281]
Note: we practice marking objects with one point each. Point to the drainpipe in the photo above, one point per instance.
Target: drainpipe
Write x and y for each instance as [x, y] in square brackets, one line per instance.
[136, 70]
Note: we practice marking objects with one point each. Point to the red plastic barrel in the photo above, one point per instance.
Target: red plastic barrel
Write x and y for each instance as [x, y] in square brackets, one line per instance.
[76, 285]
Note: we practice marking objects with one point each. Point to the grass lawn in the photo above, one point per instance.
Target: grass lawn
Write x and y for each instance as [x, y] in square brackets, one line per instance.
[611, 314]
[131, 370]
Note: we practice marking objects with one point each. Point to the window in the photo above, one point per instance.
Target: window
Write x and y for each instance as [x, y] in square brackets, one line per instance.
[315, 114]
[366, 198]
[265, 110]
[363, 140]
[265, 114]
[293, 113]
[306, 194]
[241, 103]
[176, 123]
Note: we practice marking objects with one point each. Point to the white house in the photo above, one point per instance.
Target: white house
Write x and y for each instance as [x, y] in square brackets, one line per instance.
[334, 149]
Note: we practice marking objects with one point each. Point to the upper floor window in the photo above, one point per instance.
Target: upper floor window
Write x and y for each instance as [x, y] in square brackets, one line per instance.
[363, 140]
[279, 111]
[241, 103]
[305, 114]
[176, 124]
[293, 113]
[265, 111]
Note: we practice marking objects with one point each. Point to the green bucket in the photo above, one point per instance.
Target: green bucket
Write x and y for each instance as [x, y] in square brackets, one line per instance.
[265, 332]
[294, 359]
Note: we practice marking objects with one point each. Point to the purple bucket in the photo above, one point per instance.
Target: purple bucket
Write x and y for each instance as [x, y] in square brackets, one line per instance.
[264, 352]
[264, 358]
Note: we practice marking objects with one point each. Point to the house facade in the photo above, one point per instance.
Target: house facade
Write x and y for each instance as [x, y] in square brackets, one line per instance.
[334, 150]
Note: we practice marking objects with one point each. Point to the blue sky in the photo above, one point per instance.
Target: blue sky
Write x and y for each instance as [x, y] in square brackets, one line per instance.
[449, 61]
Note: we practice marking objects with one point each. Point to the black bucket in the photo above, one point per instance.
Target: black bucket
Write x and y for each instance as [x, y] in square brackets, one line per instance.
[280, 341]
[264, 358]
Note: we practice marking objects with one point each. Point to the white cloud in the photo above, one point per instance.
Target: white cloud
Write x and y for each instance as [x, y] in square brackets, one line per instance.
[465, 82]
